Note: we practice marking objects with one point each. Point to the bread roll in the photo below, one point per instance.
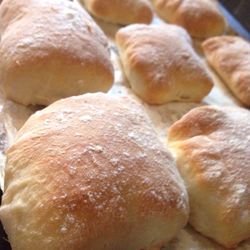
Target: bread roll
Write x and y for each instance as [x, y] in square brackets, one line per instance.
[121, 11]
[201, 18]
[89, 172]
[161, 65]
[229, 56]
[50, 50]
[212, 148]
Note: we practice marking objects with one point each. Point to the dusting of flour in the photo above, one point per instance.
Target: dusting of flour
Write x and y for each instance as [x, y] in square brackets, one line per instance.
[12, 117]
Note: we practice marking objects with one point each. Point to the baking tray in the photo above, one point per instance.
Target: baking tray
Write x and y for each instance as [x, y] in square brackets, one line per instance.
[240, 11]
[12, 117]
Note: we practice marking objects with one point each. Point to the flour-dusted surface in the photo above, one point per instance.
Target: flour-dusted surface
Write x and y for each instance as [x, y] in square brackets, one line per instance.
[161, 64]
[101, 175]
[230, 57]
[53, 46]
[212, 149]
[162, 116]
[122, 12]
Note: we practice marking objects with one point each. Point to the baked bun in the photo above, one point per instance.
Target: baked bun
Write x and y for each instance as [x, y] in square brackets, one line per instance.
[50, 50]
[161, 64]
[201, 18]
[120, 11]
[89, 172]
[212, 148]
[229, 56]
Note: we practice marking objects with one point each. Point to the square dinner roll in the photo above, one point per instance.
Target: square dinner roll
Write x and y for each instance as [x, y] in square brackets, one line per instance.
[161, 64]
[120, 11]
[230, 57]
[201, 18]
[212, 149]
[50, 50]
[89, 172]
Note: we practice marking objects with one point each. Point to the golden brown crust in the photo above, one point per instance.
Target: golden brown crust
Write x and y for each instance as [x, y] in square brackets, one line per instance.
[212, 148]
[201, 18]
[89, 172]
[50, 50]
[121, 11]
[229, 56]
[161, 65]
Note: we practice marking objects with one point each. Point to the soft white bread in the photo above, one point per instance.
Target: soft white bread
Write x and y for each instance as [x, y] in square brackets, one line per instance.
[212, 148]
[230, 57]
[201, 18]
[50, 50]
[161, 64]
[120, 11]
[89, 172]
